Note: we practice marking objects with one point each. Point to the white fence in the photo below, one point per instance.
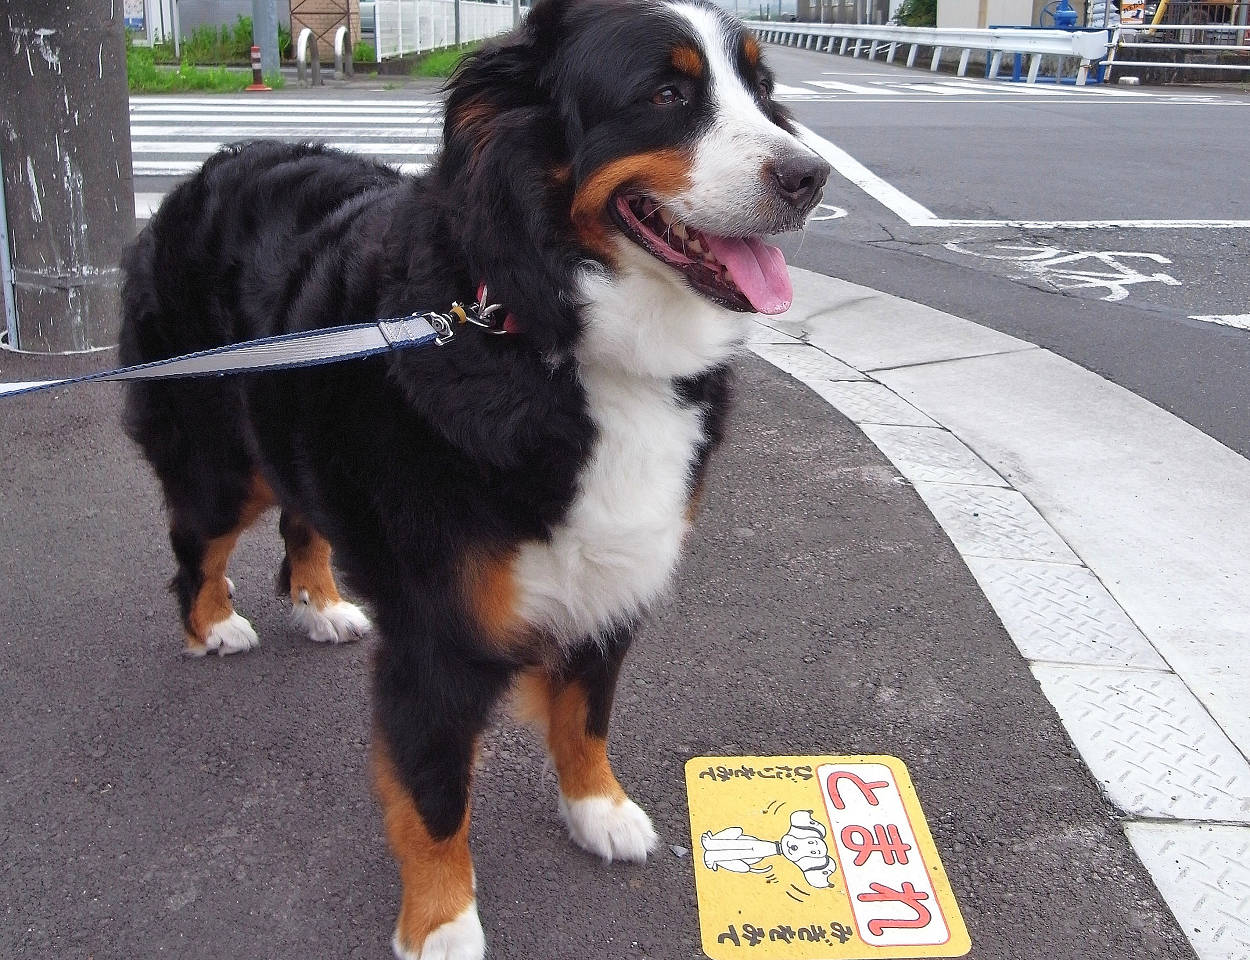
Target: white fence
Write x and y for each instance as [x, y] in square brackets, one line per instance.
[1086, 45]
[413, 26]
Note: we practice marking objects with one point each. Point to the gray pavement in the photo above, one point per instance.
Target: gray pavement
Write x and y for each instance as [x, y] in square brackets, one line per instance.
[155, 806]
[1000, 152]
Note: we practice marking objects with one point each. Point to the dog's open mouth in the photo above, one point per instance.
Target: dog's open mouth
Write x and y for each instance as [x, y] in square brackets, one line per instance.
[741, 273]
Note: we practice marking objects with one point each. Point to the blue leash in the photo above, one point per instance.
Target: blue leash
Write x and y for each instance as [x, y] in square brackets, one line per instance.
[292, 350]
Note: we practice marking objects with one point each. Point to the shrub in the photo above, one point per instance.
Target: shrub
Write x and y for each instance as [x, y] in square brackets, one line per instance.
[917, 13]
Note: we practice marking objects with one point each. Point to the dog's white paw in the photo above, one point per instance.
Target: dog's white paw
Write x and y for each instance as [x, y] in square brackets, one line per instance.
[459, 939]
[232, 635]
[613, 829]
[339, 622]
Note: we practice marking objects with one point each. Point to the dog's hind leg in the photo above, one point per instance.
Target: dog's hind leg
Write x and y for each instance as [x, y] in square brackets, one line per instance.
[203, 538]
[430, 709]
[572, 705]
[316, 606]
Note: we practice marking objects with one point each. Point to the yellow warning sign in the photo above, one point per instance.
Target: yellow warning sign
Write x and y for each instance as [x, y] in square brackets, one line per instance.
[816, 858]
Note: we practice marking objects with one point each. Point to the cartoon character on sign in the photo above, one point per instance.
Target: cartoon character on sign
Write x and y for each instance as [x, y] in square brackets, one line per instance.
[803, 845]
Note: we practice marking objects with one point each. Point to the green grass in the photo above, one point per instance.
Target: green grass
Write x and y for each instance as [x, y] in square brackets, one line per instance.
[145, 76]
[228, 44]
[440, 63]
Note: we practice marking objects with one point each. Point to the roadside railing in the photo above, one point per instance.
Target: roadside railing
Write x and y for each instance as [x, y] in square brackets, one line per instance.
[1182, 47]
[1088, 46]
[414, 26]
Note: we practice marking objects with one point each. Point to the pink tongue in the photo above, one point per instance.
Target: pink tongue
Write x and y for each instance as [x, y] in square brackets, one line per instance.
[758, 269]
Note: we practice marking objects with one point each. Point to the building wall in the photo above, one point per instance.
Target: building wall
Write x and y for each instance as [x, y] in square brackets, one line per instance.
[978, 14]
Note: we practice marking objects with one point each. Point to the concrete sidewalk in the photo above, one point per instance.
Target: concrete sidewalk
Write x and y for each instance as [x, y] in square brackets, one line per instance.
[155, 806]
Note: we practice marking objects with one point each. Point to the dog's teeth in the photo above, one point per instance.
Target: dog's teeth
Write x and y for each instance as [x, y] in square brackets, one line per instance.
[680, 230]
[695, 247]
[665, 215]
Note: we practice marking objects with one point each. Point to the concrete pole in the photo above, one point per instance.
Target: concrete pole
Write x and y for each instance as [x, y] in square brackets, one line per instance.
[456, 7]
[516, 11]
[265, 34]
[69, 199]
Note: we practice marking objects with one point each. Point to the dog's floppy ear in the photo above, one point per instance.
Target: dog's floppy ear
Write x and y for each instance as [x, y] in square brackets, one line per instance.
[505, 160]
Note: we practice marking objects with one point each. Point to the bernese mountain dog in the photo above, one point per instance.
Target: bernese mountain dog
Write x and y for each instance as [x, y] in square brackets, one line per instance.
[509, 505]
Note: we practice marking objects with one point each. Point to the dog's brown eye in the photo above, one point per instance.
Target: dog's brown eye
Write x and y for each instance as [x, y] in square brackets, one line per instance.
[666, 96]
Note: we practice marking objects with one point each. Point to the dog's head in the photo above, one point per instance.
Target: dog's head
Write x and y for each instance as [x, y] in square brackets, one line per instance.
[640, 134]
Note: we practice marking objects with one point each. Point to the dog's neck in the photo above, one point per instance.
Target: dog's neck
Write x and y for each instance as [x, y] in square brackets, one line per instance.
[643, 320]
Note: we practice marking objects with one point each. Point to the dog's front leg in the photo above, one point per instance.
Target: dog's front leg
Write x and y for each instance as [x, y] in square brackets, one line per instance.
[572, 705]
[428, 717]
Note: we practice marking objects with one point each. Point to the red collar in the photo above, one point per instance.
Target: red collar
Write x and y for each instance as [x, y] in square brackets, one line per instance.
[507, 325]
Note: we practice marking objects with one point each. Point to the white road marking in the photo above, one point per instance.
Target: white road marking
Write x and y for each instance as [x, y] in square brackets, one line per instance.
[264, 128]
[1055, 266]
[827, 211]
[206, 147]
[849, 87]
[182, 168]
[915, 214]
[1239, 320]
[142, 120]
[854, 171]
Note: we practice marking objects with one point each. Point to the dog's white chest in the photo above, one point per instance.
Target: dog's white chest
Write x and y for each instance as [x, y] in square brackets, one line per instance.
[618, 545]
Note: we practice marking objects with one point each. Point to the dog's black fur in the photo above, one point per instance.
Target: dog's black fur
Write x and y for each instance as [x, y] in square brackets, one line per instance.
[407, 462]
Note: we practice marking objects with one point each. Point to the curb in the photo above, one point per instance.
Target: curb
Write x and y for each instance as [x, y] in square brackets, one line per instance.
[1151, 709]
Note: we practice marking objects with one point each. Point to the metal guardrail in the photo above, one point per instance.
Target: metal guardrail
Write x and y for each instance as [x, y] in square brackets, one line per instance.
[304, 46]
[1185, 42]
[1089, 46]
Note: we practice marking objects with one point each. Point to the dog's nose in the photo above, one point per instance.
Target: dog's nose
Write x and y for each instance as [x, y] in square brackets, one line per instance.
[800, 177]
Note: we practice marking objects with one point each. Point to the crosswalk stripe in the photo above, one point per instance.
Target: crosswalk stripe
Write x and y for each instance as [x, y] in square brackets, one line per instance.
[285, 118]
[243, 131]
[205, 147]
[181, 168]
[849, 87]
[280, 103]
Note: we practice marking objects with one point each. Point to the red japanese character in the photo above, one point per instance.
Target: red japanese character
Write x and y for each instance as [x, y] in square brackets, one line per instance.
[867, 789]
[908, 895]
[884, 839]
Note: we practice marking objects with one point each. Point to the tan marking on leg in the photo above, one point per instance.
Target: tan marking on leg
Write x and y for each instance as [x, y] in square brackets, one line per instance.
[581, 758]
[212, 603]
[491, 591]
[311, 572]
[437, 875]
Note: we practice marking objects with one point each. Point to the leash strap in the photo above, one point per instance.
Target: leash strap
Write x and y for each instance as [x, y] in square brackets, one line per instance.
[287, 351]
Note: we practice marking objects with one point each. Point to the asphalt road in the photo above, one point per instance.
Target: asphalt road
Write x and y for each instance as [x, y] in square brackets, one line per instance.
[1059, 155]
[155, 806]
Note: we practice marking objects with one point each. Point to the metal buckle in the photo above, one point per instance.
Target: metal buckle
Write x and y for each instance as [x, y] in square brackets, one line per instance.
[444, 332]
[480, 314]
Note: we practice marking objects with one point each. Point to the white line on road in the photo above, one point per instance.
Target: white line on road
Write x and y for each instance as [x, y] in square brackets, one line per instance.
[278, 103]
[850, 87]
[180, 168]
[262, 128]
[1239, 320]
[205, 147]
[398, 120]
[854, 171]
[917, 215]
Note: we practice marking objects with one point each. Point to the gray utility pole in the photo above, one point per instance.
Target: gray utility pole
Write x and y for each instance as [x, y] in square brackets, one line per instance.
[265, 35]
[516, 11]
[456, 5]
[69, 205]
